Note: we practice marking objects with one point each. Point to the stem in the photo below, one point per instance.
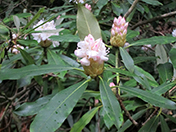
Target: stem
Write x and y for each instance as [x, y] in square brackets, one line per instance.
[116, 64]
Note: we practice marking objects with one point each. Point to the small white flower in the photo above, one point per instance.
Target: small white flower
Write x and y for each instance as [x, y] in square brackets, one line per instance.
[174, 33]
[145, 47]
[43, 36]
[80, 1]
[91, 49]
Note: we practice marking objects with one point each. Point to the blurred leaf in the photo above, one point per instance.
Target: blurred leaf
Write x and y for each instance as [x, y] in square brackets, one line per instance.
[110, 104]
[17, 22]
[53, 114]
[31, 70]
[128, 123]
[90, 93]
[164, 126]
[173, 119]
[154, 40]
[165, 71]
[3, 29]
[70, 61]
[32, 108]
[101, 3]
[141, 59]
[131, 83]
[33, 19]
[65, 38]
[85, 119]
[150, 97]
[163, 88]
[87, 23]
[131, 34]
[152, 2]
[160, 52]
[127, 60]
[27, 42]
[116, 9]
[20, 15]
[151, 125]
[28, 59]
[172, 55]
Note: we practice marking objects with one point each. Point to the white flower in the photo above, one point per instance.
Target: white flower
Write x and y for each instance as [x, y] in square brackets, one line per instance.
[15, 50]
[174, 33]
[79, 1]
[91, 49]
[146, 47]
[43, 36]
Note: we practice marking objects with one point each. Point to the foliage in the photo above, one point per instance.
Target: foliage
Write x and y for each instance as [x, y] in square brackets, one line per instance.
[44, 88]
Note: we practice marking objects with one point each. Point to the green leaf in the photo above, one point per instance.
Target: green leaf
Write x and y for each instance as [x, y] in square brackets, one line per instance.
[131, 34]
[110, 104]
[31, 70]
[20, 15]
[150, 97]
[172, 55]
[51, 117]
[53, 58]
[65, 38]
[163, 88]
[78, 126]
[141, 59]
[128, 123]
[154, 40]
[127, 60]
[165, 71]
[27, 42]
[164, 126]
[33, 19]
[116, 9]
[16, 22]
[173, 119]
[28, 59]
[87, 23]
[160, 52]
[152, 2]
[101, 3]
[151, 125]
[31, 108]
[70, 61]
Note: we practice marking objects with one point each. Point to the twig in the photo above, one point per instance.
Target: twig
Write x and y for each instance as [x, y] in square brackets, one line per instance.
[157, 108]
[123, 107]
[154, 19]
[131, 8]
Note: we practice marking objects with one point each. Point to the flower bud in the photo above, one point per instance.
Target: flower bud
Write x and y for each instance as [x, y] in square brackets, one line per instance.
[113, 89]
[118, 32]
[88, 7]
[174, 33]
[93, 54]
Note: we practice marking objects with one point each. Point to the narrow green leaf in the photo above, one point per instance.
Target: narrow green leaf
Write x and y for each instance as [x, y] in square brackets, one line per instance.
[173, 119]
[31, 108]
[127, 60]
[165, 71]
[141, 59]
[31, 70]
[29, 60]
[162, 88]
[78, 126]
[150, 97]
[87, 23]
[154, 40]
[51, 117]
[65, 38]
[164, 126]
[110, 104]
[33, 19]
[16, 22]
[101, 3]
[128, 123]
[172, 55]
[161, 55]
[152, 2]
[151, 125]
[27, 42]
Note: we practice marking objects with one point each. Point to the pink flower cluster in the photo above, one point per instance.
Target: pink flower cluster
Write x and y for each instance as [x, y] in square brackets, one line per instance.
[119, 26]
[91, 49]
[88, 7]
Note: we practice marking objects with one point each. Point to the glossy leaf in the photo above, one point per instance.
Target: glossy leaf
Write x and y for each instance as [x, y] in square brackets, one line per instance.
[110, 104]
[150, 97]
[31, 70]
[31, 108]
[163, 88]
[172, 55]
[164, 126]
[151, 125]
[127, 60]
[51, 117]
[128, 123]
[87, 23]
[65, 38]
[165, 71]
[161, 55]
[85, 119]
[101, 3]
[154, 40]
